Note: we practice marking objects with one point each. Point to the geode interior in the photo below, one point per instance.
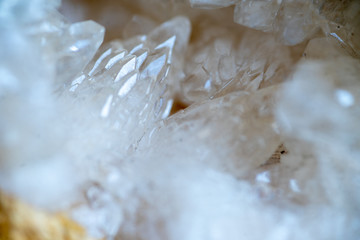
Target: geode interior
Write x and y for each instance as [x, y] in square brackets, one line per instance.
[185, 119]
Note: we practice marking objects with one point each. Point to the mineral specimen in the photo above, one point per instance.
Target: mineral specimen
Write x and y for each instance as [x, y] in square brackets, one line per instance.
[199, 119]
[294, 21]
[223, 63]
[18, 221]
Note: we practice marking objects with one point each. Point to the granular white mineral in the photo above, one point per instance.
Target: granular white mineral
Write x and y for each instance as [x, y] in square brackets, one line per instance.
[188, 122]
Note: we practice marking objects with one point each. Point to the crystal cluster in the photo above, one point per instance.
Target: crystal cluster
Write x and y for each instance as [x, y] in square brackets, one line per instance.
[199, 119]
[294, 21]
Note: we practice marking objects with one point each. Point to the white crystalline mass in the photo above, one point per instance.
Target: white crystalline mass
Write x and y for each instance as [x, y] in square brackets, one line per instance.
[253, 122]
[267, 149]
[28, 107]
[339, 93]
[329, 124]
[227, 64]
[127, 82]
[83, 39]
[246, 13]
[295, 21]
[68, 130]
[212, 3]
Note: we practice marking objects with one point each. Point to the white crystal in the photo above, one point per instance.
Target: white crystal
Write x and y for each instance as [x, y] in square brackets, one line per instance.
[328, 122]
[247, 149]
[128, 85]
[247, 13]
[80, 42]
[211, 3]
[268, 149]
[226, 64]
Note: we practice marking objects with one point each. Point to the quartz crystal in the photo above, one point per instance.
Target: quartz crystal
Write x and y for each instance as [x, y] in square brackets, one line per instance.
[84, 39]
[256, 134]
[186, 119]
[294, 21]
[211, 3]
[222, 63]
[133, 75]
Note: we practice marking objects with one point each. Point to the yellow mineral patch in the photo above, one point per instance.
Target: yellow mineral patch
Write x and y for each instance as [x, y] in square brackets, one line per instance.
[19, 221]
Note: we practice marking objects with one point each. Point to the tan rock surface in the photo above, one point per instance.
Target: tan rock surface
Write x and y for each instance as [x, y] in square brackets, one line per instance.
[19, 221]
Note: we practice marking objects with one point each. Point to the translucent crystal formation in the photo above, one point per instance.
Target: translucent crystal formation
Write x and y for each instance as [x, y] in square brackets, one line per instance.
[222, 63]
[252, 120]
[211, 3]
[133, 74]
[84, 39]
[295, 21]
[199, 119]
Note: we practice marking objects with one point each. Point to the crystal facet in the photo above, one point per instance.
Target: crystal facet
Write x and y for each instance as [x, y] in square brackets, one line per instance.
[195, 119]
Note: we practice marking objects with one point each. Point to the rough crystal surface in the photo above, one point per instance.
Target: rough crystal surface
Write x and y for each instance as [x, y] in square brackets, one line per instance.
[83, 40]
[183, 124]
[222, 63]
[246, 149]
[293, 21]
[212, 3]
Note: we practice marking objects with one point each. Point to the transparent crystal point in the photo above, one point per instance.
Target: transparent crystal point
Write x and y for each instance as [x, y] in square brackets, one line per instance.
[126, 82]
[80, 43]
[262, 141]
[180, 27]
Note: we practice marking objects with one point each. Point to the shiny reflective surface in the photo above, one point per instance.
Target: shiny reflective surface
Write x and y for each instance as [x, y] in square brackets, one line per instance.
[189, 126]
